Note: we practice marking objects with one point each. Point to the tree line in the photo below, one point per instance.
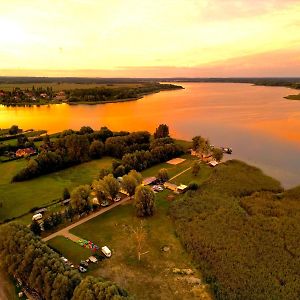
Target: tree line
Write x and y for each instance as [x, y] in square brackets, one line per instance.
[103, 94]
[29, 259]
[72, 148]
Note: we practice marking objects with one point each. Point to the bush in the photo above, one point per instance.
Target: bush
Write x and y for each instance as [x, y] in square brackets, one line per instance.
[193, 186]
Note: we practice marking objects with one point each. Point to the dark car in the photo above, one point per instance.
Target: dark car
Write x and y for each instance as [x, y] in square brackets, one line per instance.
[84, 264]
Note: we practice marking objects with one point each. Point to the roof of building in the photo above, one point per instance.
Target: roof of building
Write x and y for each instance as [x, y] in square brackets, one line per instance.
[182, 187]
[149, 180]
[170, 186]
[213, 163]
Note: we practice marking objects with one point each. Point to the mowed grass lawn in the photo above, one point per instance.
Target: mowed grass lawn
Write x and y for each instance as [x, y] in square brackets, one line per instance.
[172, 169]
[152, 277]
[19, 198]
[187, 177]
[69, 249]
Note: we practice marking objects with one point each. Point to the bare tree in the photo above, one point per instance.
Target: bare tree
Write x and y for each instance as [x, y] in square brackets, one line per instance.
[139, 234]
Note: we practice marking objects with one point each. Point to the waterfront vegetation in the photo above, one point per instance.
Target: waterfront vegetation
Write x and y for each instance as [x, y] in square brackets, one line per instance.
[71, 93]
[293, 97]
[242, 230]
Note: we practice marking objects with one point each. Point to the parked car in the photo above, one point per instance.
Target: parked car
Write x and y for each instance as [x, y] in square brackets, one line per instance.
[117, 199]
[157, 188]
[106, 251]
[104, 204]
[37, 217]
[64, 259]
[82, 269]
[84, 264]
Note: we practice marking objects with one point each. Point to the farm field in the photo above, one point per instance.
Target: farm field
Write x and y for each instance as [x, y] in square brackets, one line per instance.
[19, 198]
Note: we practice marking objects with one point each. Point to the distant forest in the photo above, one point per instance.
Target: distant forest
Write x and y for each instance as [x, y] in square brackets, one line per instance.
[293, 82]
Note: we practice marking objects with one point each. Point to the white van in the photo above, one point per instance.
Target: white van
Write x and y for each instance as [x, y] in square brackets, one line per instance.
[37, 217]
[106, 251]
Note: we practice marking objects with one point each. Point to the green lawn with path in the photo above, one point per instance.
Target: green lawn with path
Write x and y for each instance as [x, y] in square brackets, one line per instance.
[114, 229]
[187, 177]
[172, 169]
[69, 249]
[19, 198]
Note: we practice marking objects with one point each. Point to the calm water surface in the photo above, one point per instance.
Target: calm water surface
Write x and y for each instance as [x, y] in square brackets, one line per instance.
[260, 125]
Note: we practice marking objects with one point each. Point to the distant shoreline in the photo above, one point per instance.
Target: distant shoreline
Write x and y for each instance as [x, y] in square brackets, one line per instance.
[43, 102]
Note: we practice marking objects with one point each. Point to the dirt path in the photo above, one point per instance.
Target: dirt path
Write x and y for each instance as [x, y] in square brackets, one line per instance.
[180, 173]
[65, 231]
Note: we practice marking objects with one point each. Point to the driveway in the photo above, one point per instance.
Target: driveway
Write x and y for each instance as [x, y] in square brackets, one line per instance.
[65, 231]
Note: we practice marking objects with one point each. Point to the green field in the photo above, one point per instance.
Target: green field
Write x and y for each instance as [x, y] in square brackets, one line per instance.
[64, 86]
[187, 176]
[114, 229]
[69, 249]
[19, 198]
[154, 271]
[172, 169]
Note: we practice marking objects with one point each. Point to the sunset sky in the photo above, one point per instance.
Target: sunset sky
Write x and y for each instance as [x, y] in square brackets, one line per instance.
[150, 38]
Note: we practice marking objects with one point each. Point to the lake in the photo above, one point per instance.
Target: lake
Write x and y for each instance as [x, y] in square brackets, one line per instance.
[260, 125]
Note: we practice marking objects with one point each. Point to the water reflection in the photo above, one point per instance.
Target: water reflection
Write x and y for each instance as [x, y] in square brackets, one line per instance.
[260, 125]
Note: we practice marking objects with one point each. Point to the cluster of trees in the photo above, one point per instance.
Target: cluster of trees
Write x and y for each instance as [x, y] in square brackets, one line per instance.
[71, 148]
[243, 233]
[117, 146]
[161, 150]
[27, 258]
[105, 189]
[203, 147]
[92, 288]
[116, 93]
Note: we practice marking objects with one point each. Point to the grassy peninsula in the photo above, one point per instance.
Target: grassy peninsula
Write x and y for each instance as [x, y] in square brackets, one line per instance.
[77, 93]
[293, 97]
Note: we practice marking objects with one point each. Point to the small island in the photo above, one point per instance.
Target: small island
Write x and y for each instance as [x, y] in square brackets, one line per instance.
[55, 93]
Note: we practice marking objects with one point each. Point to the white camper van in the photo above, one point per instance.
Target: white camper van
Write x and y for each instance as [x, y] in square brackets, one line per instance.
[106, 251]
[37, 217]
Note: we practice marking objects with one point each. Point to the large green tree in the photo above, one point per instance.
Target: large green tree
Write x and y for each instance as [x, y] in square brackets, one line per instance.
[144, 201]
[162, 131]
[112, 186]
[217, 154]
[129, 184]
[80, 198]
[201, 145]
[96, 149]
[163, 174]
